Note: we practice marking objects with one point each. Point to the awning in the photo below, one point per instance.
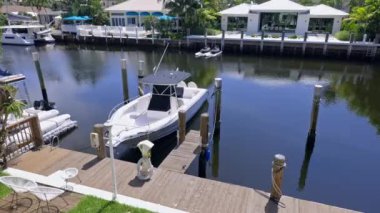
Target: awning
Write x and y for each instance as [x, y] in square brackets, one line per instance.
[132, 13]
[77, 18]
[144, 14]
[157, 14]
[166, 18]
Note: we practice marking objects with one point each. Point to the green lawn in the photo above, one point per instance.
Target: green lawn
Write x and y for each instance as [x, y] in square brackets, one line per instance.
[97, 205]
[4, 190]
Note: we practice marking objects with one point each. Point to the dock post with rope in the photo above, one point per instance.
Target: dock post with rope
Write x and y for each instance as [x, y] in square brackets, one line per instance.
[278, 166]
[101, 146]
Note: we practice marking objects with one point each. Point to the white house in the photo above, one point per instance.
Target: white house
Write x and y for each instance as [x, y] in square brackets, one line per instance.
[276, 16]
[133, 12]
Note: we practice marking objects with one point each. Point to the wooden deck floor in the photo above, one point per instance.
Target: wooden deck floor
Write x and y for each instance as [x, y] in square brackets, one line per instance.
[167, 187]
[180, 158]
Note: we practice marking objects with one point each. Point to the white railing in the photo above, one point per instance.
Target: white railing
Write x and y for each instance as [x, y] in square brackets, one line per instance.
[115, 31]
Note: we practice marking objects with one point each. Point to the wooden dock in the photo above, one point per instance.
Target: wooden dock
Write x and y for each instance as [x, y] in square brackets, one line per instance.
[180, 158]
[168, 186]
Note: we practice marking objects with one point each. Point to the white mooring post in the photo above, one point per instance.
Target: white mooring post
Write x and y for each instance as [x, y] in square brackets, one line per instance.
[278, 166]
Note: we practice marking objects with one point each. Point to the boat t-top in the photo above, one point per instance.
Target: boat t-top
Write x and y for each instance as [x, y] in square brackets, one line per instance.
[155, 114]
[26, 34]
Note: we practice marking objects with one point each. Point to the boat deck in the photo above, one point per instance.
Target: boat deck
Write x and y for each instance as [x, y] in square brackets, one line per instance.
[168, 186]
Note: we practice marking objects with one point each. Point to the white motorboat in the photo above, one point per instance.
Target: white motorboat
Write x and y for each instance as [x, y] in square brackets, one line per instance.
[203, 52]
[26, 34]
[216, 51]
[155, 114]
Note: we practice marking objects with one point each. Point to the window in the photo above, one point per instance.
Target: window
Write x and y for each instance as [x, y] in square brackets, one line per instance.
[321, 25]
[237, 23]
[278, 22]
[21, 30]
[118, 21]
[131, 21]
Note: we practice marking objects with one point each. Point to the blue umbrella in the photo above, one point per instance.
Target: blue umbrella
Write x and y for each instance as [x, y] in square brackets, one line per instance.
[166, 17]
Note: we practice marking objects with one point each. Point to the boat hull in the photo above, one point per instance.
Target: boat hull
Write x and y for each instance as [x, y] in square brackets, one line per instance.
[165, 131]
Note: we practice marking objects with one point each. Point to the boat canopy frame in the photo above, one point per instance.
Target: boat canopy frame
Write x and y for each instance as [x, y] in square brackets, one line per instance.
[165, 78]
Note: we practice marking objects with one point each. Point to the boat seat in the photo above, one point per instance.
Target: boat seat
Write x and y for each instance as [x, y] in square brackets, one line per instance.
[181, 84]
[192, 84]
[179, 92]
[135, 115]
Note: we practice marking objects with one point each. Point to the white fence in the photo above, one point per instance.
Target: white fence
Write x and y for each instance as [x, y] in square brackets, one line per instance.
[115, 31]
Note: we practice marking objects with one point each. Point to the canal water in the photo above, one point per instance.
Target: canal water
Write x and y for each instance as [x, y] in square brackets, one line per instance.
[266, 108]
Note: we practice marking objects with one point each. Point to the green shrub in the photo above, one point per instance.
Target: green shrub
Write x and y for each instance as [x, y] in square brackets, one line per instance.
[213, 31]
[266, 36]
[343, 35]
[276, 36]
[293, 37]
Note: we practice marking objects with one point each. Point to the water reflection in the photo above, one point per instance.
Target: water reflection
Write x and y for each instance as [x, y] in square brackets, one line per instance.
[266, 110]
[310, 141]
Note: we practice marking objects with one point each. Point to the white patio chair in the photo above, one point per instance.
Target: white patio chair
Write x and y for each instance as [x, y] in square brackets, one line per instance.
[47, 194]
[18, 185]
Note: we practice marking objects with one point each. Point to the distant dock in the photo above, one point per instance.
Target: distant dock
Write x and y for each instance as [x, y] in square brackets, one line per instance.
[314, 46]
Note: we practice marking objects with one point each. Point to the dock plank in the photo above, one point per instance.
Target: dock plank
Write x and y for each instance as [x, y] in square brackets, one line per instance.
[166, 187]
[180, 158]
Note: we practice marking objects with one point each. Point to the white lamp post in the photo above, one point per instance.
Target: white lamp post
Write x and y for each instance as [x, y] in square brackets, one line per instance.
[108, 125]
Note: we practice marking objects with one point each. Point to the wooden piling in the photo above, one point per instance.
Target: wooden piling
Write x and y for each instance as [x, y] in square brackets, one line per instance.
[204, 130]
[278, 166]
[315, 109]
[304, 44]
[205, 39]
[120, 29]
[181, 126]
[137, 36]
[223, 38]
[241, 41]
[101, 150]
[187, 37]
[124, 77]
[152, 34]
[349, 49]
[218, 101]
[262, 42]
[282, 42]
[105, 33]
[36, 131]
[325, 45]
[36, 59]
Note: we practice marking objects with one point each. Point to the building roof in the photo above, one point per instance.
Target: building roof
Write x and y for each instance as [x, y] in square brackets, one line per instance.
[279, 6]
[324, 10]
[241, 9]
[138, 5]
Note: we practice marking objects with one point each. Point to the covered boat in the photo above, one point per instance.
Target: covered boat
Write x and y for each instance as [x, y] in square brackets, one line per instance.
[155, 114]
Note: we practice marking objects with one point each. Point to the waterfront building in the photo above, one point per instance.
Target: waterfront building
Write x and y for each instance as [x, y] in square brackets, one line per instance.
[276, 16]
[133, 12]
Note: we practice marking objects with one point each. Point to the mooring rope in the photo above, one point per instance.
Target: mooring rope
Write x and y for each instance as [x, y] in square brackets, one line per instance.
[275, 186]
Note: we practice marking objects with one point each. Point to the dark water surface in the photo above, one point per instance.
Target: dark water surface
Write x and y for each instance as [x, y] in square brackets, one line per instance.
[266, 108]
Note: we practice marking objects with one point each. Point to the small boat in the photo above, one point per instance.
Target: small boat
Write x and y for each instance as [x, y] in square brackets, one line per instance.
[216, 51]
[155, 114]
[26, 35]
[4, 72]
[202, 52]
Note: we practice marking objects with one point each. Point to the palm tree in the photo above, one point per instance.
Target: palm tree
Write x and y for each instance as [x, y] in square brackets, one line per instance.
[184, 9]
[9, 105]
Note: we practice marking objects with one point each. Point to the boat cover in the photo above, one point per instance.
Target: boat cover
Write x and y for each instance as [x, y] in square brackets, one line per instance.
[165, 78]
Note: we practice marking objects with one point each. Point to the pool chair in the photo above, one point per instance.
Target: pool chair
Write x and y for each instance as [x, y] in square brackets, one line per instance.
[18, 185]
[47, 194]
[69, 173]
